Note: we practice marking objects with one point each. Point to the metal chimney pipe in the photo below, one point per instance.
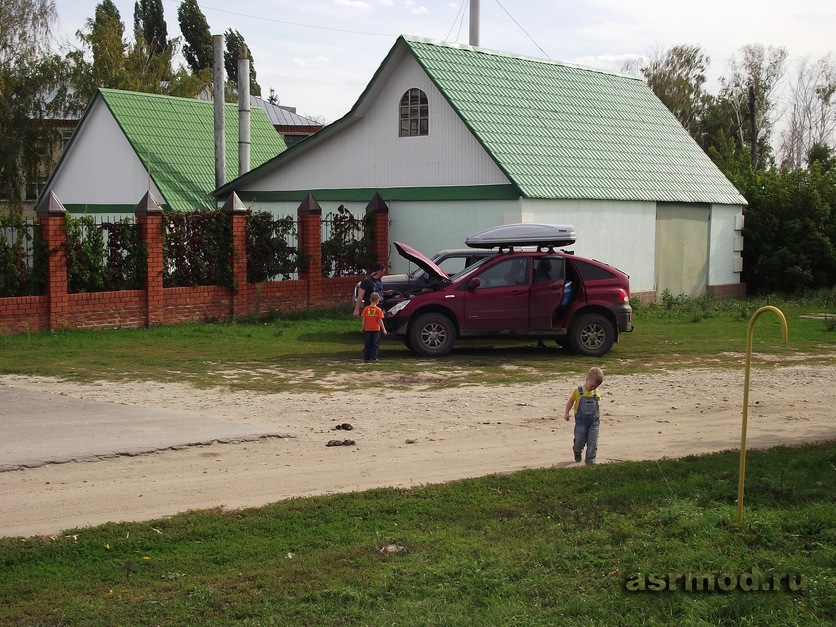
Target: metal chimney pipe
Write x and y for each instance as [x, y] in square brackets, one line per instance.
[243, 112]
[474, 22]
[220, 144]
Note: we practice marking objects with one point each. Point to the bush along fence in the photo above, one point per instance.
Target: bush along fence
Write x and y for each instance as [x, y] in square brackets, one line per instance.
[258, 270]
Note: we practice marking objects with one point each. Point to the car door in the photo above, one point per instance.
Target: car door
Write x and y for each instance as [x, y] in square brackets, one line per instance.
[547, 291]
[501, 299]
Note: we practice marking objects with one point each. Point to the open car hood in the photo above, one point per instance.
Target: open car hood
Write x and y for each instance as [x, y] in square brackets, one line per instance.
[427, 265]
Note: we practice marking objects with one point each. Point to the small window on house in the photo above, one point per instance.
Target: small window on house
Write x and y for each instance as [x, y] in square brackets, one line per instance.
[414, 114]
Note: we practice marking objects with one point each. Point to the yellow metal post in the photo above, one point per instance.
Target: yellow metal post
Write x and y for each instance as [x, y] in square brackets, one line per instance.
[746, 401]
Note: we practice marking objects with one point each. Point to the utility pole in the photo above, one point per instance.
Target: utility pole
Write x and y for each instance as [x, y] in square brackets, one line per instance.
[753, 130]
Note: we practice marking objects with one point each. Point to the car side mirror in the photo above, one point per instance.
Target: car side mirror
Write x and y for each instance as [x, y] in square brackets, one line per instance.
[473, 283]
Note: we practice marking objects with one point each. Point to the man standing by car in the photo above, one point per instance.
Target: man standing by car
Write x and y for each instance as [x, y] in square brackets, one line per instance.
[370, 285]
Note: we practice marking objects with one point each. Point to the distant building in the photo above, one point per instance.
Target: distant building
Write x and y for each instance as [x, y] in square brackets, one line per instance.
[129, 143]
[292, 127]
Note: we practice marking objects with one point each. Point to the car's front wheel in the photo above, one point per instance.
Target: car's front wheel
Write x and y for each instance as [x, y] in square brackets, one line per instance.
[591, 335]
[432, 335]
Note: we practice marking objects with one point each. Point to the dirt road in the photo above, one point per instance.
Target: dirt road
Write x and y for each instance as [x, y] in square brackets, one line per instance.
[402, 438]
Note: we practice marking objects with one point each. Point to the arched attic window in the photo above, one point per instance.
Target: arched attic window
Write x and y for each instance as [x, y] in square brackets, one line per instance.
[414, 113]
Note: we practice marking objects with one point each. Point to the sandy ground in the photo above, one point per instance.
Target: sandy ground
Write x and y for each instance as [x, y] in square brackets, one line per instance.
[404, 438]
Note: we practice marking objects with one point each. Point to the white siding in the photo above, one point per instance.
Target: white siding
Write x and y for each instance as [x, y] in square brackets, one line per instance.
[369, 153]
[118, 176]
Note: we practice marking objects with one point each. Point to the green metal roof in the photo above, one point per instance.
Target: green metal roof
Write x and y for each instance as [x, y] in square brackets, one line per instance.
[178, 134]
[564, 131]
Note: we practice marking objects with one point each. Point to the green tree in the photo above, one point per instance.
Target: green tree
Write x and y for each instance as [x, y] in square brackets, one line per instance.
[150, 22]
[750, 92]
[104, 39]
[677, 77]
[197, 48]
[234, 43]
[790, 230]
[32, 90]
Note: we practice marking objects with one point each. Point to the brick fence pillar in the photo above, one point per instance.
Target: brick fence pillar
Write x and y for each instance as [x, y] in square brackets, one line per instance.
[381, 228]
[238, 219]
[52, 220]
[149, 215]
[309, 215]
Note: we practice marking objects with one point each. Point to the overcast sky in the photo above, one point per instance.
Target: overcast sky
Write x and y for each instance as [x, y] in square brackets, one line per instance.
[319, 55]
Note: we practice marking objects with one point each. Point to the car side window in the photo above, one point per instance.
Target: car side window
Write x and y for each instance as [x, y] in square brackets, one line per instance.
[506, 273]
[591, 272]
[548, 269]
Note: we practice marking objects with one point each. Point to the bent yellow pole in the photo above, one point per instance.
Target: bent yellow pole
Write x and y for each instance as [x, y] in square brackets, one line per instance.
[746, 401]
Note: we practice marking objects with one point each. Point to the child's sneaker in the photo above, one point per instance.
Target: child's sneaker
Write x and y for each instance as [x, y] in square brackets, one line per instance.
[577, 455]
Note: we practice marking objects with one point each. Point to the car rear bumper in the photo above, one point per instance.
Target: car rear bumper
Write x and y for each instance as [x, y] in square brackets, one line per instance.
[623, 317]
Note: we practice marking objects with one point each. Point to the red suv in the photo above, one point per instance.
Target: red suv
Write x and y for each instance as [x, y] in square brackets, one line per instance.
[534, 293]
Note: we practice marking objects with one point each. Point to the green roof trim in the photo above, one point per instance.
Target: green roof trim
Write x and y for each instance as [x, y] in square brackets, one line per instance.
[564, 131]
[178, 135]
[474, 192]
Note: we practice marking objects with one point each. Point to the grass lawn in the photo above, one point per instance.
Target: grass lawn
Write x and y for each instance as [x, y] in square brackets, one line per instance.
[542, 547]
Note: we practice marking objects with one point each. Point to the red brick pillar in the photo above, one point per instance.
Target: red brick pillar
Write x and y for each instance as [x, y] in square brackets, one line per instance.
[238, 219]
[309, 215]
[52, 220]
[381, 228]
[149, 216]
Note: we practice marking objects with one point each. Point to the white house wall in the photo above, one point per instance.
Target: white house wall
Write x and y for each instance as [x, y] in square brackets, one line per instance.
[723, 259]
[433, 226]
[120, 177]
[619, 233]
[369, 153]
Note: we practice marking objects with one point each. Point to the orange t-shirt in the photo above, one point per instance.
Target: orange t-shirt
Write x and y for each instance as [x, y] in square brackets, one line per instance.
[372, 318]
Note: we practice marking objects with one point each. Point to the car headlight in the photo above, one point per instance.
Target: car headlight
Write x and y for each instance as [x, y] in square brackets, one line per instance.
[399, 307]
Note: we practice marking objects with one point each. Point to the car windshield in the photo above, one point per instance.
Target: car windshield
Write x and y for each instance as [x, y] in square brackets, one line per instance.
[469, 269]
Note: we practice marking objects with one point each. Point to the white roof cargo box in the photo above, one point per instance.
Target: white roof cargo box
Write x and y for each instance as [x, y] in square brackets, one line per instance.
[523, 234]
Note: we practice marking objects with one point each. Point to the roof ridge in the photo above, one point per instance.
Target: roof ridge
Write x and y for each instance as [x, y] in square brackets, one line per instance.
[513, 55]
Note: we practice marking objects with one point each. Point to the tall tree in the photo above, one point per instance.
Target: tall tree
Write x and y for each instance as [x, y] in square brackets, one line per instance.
[197, 48]
[677, 77]
[32, 90]
[750, 91]
[234, 43]
[811, 113]
[104, 38]
[149, 18]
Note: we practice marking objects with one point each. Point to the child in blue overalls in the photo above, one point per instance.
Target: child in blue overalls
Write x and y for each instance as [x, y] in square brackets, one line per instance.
[585, 399]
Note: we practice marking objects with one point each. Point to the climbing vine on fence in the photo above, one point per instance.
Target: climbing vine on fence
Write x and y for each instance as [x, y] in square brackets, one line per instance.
[197, 249]
[23, 264]
[105, 256]
[270, 255]
[349, 249]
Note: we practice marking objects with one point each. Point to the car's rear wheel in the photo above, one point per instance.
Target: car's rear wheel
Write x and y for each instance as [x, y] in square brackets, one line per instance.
[432, 335]
[591, 335]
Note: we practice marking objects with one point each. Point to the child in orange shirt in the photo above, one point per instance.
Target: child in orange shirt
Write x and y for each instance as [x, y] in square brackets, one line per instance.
[372, 317]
